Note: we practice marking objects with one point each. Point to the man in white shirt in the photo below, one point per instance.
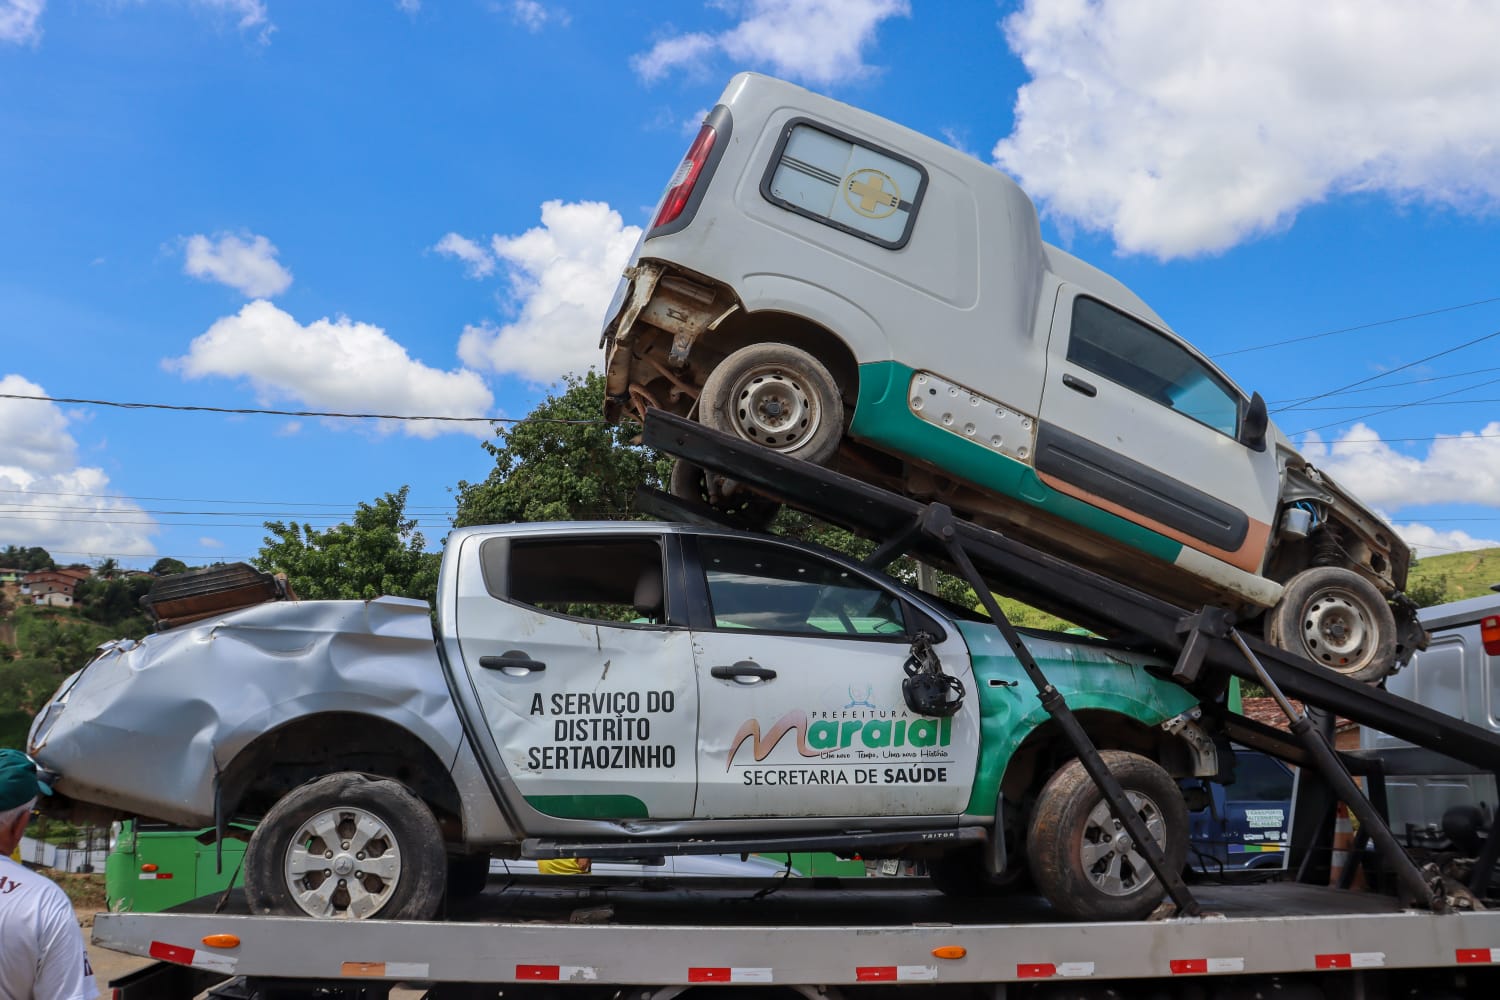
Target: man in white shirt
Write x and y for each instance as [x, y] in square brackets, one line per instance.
[41, 948]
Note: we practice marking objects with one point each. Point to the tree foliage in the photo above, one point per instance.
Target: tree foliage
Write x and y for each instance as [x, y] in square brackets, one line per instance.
[114, 602]
[166, 566]
[27, 559]
[379, 552]
[546, 470]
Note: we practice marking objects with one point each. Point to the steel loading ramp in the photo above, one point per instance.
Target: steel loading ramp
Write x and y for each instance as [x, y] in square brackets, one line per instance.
[1020, 571]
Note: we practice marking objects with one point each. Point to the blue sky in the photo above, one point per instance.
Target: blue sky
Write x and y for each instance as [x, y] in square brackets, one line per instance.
[420, 207]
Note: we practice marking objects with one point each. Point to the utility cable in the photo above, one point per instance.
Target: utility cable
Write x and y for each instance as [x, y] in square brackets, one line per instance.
[1352, 329]
[1381, 375]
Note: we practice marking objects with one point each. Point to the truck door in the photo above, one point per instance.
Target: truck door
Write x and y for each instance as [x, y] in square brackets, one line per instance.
[584, 677]
[800, 663]
[1134, 422]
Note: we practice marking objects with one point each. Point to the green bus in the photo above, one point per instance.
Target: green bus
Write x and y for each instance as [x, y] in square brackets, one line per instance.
[152, 866]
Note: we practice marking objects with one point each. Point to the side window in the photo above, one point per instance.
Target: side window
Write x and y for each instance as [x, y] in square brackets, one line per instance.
[1111, 344]
[613, 580]
[843, 182]
[1258, 778]
[774, 589]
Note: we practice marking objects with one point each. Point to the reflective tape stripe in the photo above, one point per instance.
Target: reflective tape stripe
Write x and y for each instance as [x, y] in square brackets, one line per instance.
[736, 974]
[149, 876]
[1351, 960]
[1046, 970]
[385, 970]
[1197, 966]
[895, 973]
[556, 973]
[178, 955]
[1475, 956]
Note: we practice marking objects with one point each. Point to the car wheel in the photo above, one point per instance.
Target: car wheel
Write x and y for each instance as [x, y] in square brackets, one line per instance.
[1079, 854]
[347, 847]
[1336, 617]
[745, 508]
[777, 396]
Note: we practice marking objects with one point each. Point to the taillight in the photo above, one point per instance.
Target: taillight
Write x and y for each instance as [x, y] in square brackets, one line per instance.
[1489, 634]
[680, 189]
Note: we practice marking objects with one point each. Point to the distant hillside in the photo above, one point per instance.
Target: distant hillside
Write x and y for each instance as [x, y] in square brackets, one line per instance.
[1461, 574]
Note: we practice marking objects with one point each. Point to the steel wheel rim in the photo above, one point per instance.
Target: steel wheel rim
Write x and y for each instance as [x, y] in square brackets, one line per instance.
[772, 408]
[343, 864]
[1111, 862]
[1337, 630]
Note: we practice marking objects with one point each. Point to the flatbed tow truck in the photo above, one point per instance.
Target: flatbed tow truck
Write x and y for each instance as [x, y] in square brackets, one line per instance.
[1430, 936]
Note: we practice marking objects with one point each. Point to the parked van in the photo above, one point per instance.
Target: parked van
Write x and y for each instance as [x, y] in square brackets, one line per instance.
[838, 288]
[1458, 673]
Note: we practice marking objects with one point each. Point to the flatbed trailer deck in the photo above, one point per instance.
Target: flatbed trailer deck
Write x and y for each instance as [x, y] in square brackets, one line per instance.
[517, 932]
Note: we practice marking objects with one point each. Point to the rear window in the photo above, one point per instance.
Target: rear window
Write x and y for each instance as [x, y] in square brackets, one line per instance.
[846, 183]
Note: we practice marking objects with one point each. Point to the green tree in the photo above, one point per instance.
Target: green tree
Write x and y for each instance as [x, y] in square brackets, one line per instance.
[63, 640]
[166, 566]
[28, 559]
[549, 470]
[379, 552]
[114, 602]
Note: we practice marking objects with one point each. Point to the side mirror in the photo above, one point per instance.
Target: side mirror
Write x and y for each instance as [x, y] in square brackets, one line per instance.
[1253, 428]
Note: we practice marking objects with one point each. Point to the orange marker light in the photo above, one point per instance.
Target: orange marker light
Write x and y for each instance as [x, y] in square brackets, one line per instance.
[148, 867]
[950, 951]
[221, 940]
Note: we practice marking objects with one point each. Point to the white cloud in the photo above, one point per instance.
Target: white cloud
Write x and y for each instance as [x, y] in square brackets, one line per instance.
[245, 262]
[534, 16]
[1181, 127]
[18, 21]
[479, 262]
[210, 543]
[1428, 541]
[46, 498]
[817, 41]
[1457, 469]
[336, 365]
[561, 276]
[409, 6]
[252, 15]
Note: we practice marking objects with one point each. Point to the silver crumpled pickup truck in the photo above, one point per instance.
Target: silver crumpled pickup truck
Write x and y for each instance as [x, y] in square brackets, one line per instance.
[831, 285]
[629, 689]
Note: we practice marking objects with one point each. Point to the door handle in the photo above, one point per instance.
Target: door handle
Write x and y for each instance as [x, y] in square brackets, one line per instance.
[512, 661]
[743, 672]
[1079, 385]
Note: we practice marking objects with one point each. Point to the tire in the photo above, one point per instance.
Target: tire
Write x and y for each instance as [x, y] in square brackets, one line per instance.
[1074, 848]
[1336, 617]
[382, 847]
[744, 508]
[777, 396]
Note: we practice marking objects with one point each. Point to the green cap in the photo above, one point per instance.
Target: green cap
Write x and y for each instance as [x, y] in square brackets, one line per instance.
[18, 781]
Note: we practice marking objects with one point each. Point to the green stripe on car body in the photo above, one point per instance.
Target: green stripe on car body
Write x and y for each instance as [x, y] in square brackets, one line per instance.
[589, 806]
[883, 416]
[1090, 678]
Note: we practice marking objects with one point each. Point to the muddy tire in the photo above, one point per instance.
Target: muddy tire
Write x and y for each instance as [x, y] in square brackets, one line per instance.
[742, 507]
[1078, 856]
[347, 847]
[776, 396]
[1336, 617]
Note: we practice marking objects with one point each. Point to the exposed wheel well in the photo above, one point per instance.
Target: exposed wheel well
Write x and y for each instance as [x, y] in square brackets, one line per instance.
[1045, 749]
[310, 747]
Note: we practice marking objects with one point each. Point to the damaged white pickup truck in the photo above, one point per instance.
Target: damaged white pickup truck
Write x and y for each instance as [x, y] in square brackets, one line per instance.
[627, 689]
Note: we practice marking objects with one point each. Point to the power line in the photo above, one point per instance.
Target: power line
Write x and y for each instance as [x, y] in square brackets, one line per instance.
[240, 411]
[1352, 329]
[263, 503]
[1389, 385]
[1381, 375]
